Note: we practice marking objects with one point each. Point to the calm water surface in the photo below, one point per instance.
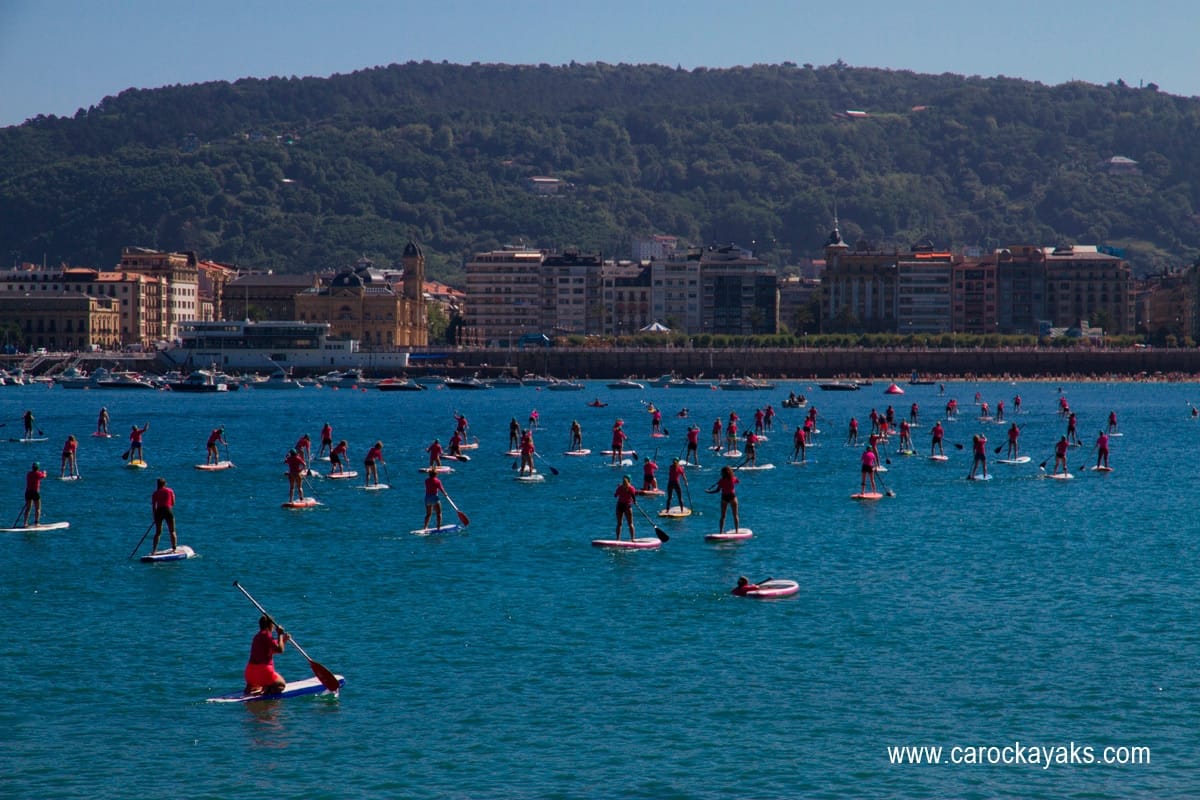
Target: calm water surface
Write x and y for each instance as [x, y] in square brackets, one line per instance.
[515, 660]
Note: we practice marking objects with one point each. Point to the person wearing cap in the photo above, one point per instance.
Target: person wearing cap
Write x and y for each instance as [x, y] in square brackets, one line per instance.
[68, 467]
[371, 463]
[260, 674]
[435, 453]
[626, 496]
[162, 503]
[33, 495]
[216, 437]
[675, 474]
[296, 467]
[433, 503]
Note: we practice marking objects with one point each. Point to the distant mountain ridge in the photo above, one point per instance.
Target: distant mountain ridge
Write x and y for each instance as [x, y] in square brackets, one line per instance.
[304, 174]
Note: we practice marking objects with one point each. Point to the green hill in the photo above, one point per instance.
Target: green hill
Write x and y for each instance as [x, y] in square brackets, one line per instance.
[302, 174]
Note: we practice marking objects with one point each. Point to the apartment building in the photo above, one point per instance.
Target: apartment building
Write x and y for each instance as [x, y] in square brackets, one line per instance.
[739, 293]
[504, 290]
[180, 274]
[570, 292]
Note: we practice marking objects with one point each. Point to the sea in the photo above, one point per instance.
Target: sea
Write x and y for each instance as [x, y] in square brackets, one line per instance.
[981, 624]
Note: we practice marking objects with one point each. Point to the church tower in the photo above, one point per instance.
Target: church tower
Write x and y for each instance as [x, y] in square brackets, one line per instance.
[413, 262]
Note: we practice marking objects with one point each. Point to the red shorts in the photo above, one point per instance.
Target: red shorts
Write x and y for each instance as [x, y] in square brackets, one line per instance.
[262, 675]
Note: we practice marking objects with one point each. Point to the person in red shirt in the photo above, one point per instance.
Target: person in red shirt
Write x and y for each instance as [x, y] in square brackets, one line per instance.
[905, 437]
[935, 441]
[296, 467]
[435, 453]
[751, 449]
[626, 496]
[913, 413]
[335, 457]
[979, 451]
[162, 503]
[326, 440]
[68, 465]
[433, 486]
[1060, 454]
[799, 446]
[649, 481]
[1013, 434]
[454, 447]
[869, 462]
[304, 447]
[693, 445]
[727, 484]
[618, 444]
[460, 425]
[675, 474]
[135, 442]
[260, 674]
[373, 458]
[527, 451]
[716, 434]
[744, 587]
[731, 434]
[33, 495]
[852, 433]
[215, 438]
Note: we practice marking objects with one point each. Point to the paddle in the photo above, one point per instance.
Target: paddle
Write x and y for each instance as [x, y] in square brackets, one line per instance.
[139, 544]
[125, 455]
[886, 490]
[553, 471]
[387, 478]
[659, 532]
[461, 516]
[688, 487]
[327, 678]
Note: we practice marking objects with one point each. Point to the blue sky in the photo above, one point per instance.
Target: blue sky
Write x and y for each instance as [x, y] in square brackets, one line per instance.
[59, 55]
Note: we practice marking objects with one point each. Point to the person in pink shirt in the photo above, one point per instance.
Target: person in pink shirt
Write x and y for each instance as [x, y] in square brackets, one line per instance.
[336, 456]
[1060, 454]
[527, 452]
[213, 453]
[937, 432]
[693, 445]
[751, 449]
[260, 674]
[869, 462]
[1102, 450]
[304, 447]
[326, 440]
[69, 466]
[435, 453]
[716, 434]
[33, 495]
[852, 433]
[799, 446]
[676, 474]
[296, 467]
[727, 485]
[433, 487]
[979, 453]
[618, 444]
[649, 481]
[135, 442]
[371, 464]
[162, 504]
[626, 496]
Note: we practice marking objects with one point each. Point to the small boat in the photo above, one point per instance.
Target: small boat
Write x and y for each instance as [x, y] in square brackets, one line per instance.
[626, 383]
[529, 379]
[350, 379]
[506, 382]
[399, 385]
[278, 380]
[665, 381]
[692, 383]
[199, 381]
[73, 378]
[744, 385]
[124, 380]
[838, 386]
[431, 380]
[565, 386]
[471, 382]
[795, 402]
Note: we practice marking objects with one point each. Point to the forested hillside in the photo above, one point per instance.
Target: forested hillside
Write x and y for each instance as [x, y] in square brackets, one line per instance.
[302, 174]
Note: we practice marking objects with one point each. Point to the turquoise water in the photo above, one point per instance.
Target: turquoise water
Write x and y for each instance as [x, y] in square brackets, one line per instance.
[515, 660]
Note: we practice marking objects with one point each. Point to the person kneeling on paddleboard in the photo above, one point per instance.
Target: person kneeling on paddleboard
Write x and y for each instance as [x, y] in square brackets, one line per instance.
[260, 674]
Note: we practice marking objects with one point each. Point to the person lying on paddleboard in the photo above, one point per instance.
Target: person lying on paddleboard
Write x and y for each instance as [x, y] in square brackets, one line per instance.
[68, 465]
[626, 496]
[162, 505]
[260, 674]
[33, 495]
[433, 503]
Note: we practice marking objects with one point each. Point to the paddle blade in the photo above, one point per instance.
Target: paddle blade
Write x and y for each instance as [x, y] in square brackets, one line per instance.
[958, 446]
[997, 450]
[661, 534]
[125, 456]
[633, 454]
[553, 471]
[327, 678]
[463, 518]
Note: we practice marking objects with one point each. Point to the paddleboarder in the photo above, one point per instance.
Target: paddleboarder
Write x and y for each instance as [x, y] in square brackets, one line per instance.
[716, 434]
[912, 414]
[693, 445]
[326, 440]
[576, 435]
[102, 422]
[655, 422]
[1112, 422]
[936, 434]
[769, 417]
[626, 496]
[336, 454]
[135, 442]
[260, 674]
[1013, 434]
[759, 420]
[731, 434]
[751, 449]
[744, 587]
[514, 434]
[33, 495]
[727, 485]
[649, 470]
[454, 446]
[162, 504]
[433, 503]
[297, 466]
[906, 445]
[435, 453]
[852, 434]
[868, 463]
[28, 418]
[460, 425]
[304, 447]
[799, 446]
[979, 451]
[1017, 404]
[528, 448]
[215, 438]
[675, 475]
[1060, 454]
[618, 443]
[1102, 450]
[1000, 411]
[1072, 435]
[68, 465]
[372, 461]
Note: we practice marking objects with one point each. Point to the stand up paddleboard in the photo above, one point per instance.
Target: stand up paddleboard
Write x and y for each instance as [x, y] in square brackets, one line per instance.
[513, 454]
[651, 492]
[625, 462]
[45, 526]
[535, 477]
[729, 536]
[773, 588]
[675, 512]
[69, 477]
[584, 452]
[979, 477]
[30, 439]
[939, 458]
[100, 435]
[469, 446]
[217, 467]
[1017, 460]
[867, 496]
[136, 464]
[180, 553]
[374, 487]
[755, 467]
[343, 475]
[308, 502]
[648, 543]
[1060, 476]
[906, 452]
[448, 528]
[293, 689]
[1102, 469]
[442, 470]
[732, 454]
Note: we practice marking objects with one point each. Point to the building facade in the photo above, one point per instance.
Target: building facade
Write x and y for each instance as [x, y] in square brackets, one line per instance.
[504, 291]
[180, 275]
[739, 293]
[61, 321]
[675, 296]
[570, 285]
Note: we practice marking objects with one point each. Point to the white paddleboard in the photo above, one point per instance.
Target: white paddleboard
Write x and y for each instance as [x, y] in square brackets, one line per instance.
[939, 458]
[675, 512]
[442, 470]
[294, 689]
[626, 462]
[1102, 469]
[45, 526]
[536, 477]
[100, 435]
[1017, 460]
[220, 465]
[308, 502]
[773, 588]
[755, 467]
[648, 543]
[732, 454]
[881, 468]
[731, 535]
[651, 492]
[448, 528]
[70, 477]
[137, 464]
[513, 453]
[30, 439]
[374, 487]
[1060, 476]
[584, 452]
[343, 475]
[181, 553]
[981, 477]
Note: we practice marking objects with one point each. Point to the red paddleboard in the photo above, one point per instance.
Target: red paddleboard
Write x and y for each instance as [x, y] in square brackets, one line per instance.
[867, 496]
[308, 502]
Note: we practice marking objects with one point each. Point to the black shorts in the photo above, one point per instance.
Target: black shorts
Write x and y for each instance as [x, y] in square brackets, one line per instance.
[164, 515]
[32, 496]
